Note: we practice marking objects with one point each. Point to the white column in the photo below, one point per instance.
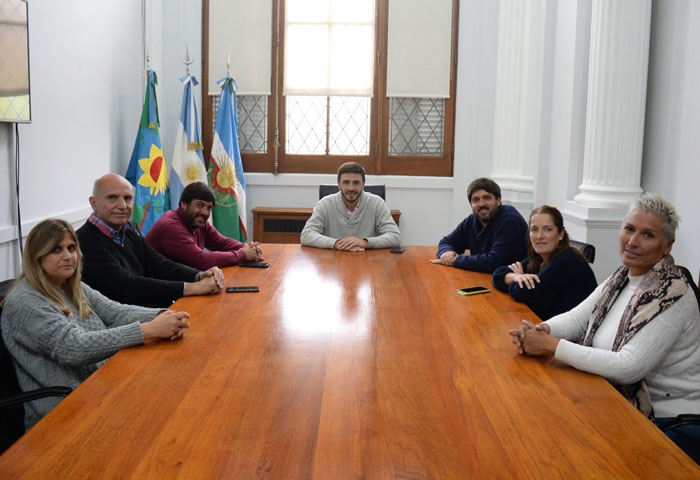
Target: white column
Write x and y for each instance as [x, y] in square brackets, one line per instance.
[617, 88]
[519, 87]
[615, 112]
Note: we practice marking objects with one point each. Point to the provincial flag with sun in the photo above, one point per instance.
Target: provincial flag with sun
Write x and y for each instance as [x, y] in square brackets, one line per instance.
[226, 168]
[188, 159]
[147, 170]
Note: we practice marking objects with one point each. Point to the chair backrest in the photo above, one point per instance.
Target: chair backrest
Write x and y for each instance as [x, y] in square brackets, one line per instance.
[689, 276]
[586, 249]
[328, 189]
[11, 416]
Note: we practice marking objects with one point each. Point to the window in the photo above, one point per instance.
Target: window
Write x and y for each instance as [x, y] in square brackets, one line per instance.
[333, 97]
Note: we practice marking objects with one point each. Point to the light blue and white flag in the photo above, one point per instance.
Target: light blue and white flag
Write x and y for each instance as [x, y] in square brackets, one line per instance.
[188, 159]
[226, 168]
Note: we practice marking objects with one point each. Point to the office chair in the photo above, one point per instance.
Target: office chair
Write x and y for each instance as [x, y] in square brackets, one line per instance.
[685, 418]
[586, 249]
[12, 398]
[328, 189]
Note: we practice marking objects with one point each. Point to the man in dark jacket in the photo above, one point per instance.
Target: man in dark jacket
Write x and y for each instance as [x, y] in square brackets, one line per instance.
[493, 235]
[122, 265]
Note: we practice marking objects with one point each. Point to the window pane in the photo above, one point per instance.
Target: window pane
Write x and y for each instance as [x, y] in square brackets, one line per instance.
[345, 118]
[306, 125]
[349, 125]
[252, 122]
[329, 47]
[417, 126]
[306, 11]
[351, 60]
[306, 59]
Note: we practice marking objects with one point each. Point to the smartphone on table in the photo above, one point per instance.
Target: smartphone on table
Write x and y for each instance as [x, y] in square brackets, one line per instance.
[473, 290]
[251, 288]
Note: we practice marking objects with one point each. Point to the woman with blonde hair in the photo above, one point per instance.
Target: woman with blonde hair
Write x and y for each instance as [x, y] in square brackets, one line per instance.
[57, 329]
[640, 329]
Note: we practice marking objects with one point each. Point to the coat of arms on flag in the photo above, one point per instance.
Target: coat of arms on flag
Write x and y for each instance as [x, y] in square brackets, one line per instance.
[226, 168]
[147, 170]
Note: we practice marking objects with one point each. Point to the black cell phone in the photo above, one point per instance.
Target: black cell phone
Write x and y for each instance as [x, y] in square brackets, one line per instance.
[243, 289]
[397, 250]
[254, 264]
[473, 290]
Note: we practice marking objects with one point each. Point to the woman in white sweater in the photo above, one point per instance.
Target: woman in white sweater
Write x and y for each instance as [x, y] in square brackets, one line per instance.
[640, 328]
[57, 329]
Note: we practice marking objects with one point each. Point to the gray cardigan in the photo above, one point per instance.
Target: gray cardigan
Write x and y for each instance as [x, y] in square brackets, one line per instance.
[49, 348]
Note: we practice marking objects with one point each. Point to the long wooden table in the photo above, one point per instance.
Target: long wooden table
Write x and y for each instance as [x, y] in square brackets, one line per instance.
[344, 365]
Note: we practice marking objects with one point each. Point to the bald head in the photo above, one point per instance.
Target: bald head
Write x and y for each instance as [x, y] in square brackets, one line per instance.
[112, 200]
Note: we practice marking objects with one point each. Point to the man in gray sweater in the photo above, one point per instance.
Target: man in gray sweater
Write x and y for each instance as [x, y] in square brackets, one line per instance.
[352, 219]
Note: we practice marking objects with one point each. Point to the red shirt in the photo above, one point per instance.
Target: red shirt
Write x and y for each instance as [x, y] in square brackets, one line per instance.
[200, 248]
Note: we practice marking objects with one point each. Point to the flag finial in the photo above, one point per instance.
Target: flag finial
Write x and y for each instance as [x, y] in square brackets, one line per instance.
[228, 64]
[187, 61]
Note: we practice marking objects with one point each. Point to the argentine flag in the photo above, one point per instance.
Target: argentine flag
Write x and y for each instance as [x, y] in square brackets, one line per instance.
[226, 168]
[188, 159]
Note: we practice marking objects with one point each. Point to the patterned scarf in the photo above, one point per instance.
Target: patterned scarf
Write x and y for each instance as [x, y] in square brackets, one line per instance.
[660, 288]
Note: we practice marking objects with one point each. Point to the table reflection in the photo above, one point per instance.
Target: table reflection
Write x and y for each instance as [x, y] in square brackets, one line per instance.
[315, 302]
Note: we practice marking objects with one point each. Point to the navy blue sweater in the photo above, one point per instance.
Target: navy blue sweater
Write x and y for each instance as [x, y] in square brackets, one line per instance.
[564, 283]
[502, 241]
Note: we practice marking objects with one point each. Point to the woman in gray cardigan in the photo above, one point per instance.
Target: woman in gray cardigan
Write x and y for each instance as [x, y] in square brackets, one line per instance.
[57, 329]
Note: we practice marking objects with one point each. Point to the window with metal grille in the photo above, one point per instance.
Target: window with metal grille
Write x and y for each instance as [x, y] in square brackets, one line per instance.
[314, 127]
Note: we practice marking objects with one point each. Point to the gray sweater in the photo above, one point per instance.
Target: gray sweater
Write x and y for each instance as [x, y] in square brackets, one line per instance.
[331, 221]
[48, 348]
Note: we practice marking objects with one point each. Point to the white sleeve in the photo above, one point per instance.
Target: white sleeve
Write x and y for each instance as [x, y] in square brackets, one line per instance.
[644, 352]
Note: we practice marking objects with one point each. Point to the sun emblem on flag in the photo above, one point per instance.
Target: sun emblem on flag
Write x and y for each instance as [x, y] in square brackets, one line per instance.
[154, 174]
[225, 174]
[193, 171]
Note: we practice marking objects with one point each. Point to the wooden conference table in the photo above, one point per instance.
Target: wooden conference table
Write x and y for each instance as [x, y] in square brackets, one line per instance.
[344, 365]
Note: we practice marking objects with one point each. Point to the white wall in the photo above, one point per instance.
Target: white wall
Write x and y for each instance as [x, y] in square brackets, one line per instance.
[87, 92]
[85, 60]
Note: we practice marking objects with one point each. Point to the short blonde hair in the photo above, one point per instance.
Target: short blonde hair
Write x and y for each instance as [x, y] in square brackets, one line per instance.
[662, 208]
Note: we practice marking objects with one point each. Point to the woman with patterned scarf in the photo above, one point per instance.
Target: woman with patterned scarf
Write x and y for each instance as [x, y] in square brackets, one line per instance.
[640, 329]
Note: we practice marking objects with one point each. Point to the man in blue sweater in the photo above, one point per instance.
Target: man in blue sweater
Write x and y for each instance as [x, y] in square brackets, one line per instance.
[493, 235]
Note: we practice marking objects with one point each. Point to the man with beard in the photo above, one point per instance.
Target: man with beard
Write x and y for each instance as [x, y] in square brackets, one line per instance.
[493, 235]
[352, 219]
[119, 263]
[185, 235]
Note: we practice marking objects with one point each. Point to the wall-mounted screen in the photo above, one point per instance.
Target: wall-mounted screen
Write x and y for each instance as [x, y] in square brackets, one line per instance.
[14, 62]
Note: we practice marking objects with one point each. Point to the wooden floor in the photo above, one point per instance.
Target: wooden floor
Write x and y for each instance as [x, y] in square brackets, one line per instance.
[344, 365]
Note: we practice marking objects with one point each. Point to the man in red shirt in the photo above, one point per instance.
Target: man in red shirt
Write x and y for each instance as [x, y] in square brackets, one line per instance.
[185, 235]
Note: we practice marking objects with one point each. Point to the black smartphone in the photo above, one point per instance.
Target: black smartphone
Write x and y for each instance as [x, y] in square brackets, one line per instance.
[473, 290]
[254, 264]
[243, 289]
[397, 250]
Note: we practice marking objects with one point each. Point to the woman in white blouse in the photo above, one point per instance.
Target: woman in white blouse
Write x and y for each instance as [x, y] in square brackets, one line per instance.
[640, 329]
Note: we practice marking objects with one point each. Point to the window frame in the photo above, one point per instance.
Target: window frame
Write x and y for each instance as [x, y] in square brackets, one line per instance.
[378, 162]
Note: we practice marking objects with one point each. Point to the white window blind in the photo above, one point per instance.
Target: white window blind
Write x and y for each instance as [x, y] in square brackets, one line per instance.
[242, 28]
[329, 47]
[419, 48]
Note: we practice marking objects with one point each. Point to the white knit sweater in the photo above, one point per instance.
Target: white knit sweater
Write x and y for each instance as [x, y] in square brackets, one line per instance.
[665, 352]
